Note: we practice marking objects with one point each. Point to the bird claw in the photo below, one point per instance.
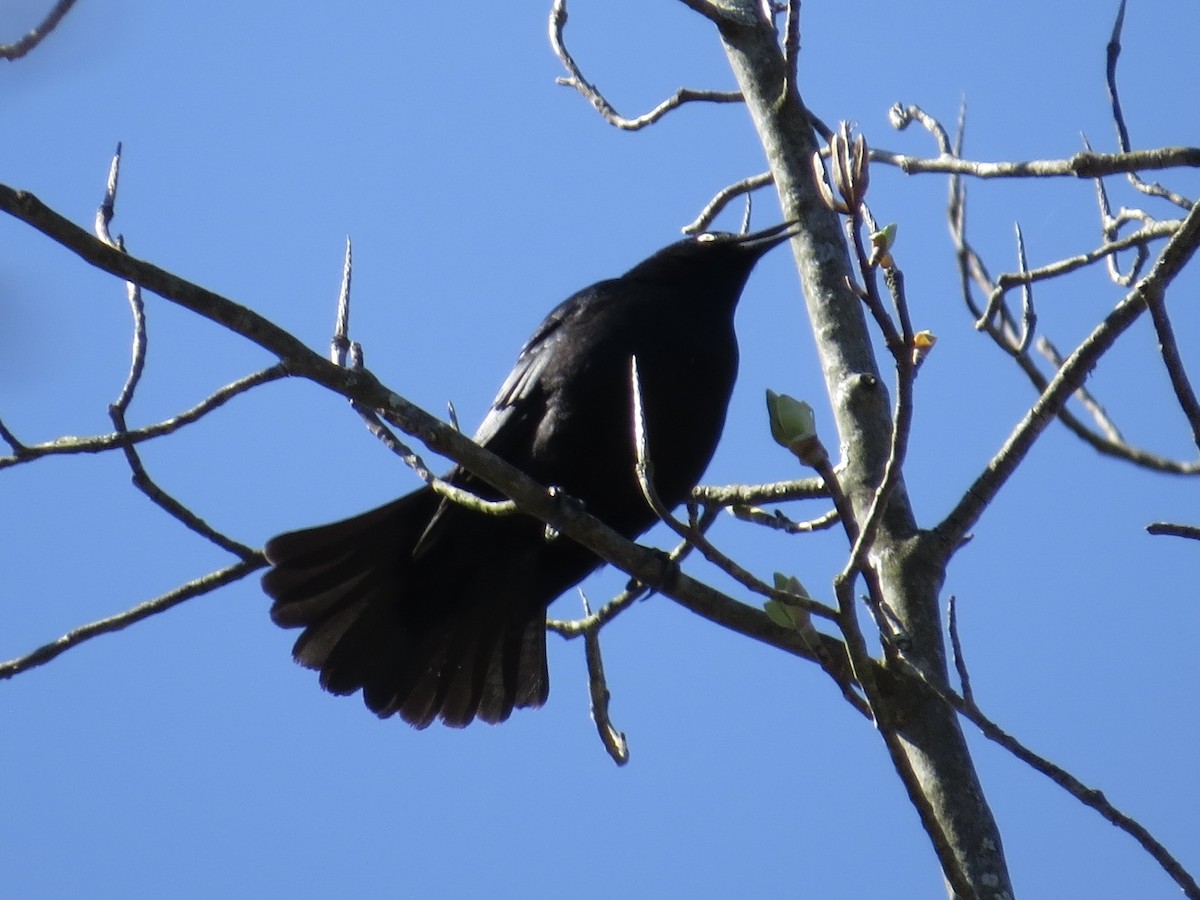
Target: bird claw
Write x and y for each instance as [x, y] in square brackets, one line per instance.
[567, 505]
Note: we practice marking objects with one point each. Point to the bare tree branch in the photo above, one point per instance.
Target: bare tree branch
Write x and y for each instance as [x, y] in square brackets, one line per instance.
[36, 35]
[558, 22]
[1113, 53]
[613, 740]
[342, 347]
[1069, 378]
[1094, 799]
[117, 440]
[751, 494]
[1081, 165]
[1168, 349]
[642, 563]
[117, 410]
[1084, 396]
[1002, 328]
[723, 198]
[76, 636]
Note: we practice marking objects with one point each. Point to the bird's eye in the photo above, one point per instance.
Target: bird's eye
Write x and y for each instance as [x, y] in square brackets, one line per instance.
[706, 237]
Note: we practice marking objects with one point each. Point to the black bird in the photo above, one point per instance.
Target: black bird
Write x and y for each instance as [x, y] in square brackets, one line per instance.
[434, 610]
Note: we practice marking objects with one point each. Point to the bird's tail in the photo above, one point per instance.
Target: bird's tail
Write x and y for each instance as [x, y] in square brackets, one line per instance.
[420, 636]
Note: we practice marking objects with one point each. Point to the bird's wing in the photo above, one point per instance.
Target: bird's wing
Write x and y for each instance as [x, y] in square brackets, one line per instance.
[510, 425]
[518, 406]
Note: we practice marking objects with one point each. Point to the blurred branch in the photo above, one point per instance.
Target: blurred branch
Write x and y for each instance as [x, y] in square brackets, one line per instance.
[1097, 411]
[1174, 529]
[753, 494]
[38, 33]
[1168, 349]
[778, 521]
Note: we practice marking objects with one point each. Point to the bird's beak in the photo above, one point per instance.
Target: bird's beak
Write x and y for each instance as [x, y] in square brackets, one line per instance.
[762, 241]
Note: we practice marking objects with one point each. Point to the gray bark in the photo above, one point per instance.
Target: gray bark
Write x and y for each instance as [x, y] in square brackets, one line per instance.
[921, 731]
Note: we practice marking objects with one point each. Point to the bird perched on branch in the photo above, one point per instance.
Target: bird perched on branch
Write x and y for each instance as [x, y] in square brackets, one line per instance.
[435, 610]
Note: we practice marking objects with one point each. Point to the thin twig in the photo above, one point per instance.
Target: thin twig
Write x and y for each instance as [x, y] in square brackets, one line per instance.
[339, 346]
[1168, 349]
[1113, 53]
[613, 740]
[754, 494]
[104, 217]
[20, 451]
[1028, 313]
[1110, 228]
[644, 468]
[960, 661]
[558, 22]
[1088, 796]
[162, 603]
[633, 592]
[119, 439]
[1081, 165]
[723, 198]
[1099, 414]
[1069, 378]
[779, 522]
[174, 508]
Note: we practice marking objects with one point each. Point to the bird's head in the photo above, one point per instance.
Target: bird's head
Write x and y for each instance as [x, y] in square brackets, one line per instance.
[714, 257]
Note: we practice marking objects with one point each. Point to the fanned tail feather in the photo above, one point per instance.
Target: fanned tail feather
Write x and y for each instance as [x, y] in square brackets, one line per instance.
[425, 638]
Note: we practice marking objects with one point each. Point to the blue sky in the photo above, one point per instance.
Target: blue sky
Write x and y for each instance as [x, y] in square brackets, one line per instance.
[189, 757]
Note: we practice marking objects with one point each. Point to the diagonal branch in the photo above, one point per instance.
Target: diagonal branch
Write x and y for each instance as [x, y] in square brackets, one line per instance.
[1068, 379]
[1094, 799]
[118, 439]
[76, 636]
[1001, 327]
[642, 563]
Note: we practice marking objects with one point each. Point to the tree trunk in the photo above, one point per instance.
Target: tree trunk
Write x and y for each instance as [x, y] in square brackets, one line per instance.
[921, 731]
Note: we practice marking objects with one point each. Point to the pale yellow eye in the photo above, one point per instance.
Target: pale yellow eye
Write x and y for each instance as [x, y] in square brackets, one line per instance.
[706, 237]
